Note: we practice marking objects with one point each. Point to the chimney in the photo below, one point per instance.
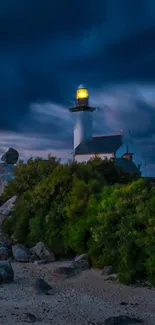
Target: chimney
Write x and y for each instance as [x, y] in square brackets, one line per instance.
[128, 155]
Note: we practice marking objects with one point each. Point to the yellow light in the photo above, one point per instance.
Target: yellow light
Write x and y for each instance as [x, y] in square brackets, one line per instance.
[82, 93]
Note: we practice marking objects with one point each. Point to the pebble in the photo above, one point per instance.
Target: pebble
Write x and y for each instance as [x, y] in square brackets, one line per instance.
[74, 301]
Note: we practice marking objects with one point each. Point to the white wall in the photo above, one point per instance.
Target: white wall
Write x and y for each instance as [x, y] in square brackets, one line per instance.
[83, 127]
[81, 158]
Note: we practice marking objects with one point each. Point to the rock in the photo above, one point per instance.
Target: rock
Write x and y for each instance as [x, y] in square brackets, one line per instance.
[6, 272]
[21, 253]
[39, 286]
[42, 252]
[80, 262]
[4, 253]
[6, 209]
[33, 257]
[112, 277]
[64, 272]
[29, 318]
[5, 240]
[11, 156]
[122, 320]
[108, 270]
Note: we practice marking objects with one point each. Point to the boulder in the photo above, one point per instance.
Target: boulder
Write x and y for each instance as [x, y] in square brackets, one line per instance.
[21, 253]
[11, 156]
[4, 253]
[6, 209]
[80, 262]
[28, 318]
[122, 320]
[6, 272]
[39, 286]
[42, 252]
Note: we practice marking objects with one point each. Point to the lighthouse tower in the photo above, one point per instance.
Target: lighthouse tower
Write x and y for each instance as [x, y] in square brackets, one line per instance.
[83, 126]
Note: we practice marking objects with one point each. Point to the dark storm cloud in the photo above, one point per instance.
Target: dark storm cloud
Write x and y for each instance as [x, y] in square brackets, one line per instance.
[35, 39]
[47, 48]
[28, 21]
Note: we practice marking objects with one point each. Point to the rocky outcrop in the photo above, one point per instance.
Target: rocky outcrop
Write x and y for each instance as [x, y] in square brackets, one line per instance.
[6, 272]
[6, 209]
[11, 156]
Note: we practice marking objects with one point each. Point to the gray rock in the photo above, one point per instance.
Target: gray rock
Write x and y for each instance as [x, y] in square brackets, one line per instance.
[6, 209]
[29, 318]
[21, 253]
[4, 253]
[33, 258]
[42, 252]
[112, 277]
[6, 272]
[39, 286]
[108, 270]
[80, 262]
[122, 320]
[11, 156]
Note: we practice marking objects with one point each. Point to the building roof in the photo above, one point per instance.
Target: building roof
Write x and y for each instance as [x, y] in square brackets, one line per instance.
[102, 144]
[127, 165]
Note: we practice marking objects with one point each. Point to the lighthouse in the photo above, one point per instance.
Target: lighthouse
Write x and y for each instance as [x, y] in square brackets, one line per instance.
[83, 123]
[87, 146]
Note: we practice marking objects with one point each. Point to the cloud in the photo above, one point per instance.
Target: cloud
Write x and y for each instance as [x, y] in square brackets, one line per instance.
[130, 109]
[48, 49]
[30, 145]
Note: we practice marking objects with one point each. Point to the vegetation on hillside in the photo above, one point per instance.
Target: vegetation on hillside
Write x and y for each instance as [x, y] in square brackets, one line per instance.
[93, 208]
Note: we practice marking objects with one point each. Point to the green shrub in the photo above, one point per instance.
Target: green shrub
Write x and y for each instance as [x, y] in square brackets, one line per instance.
[93, 208]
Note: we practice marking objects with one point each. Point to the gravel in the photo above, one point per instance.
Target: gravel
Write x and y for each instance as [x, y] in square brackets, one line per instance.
[83, 299]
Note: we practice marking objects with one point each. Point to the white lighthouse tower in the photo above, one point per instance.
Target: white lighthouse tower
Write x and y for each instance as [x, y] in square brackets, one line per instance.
[83, 126]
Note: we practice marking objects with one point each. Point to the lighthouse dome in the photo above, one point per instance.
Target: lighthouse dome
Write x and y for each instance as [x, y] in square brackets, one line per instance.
[82, 95]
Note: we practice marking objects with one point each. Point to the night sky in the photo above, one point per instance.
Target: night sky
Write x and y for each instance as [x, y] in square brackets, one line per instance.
[48, 48]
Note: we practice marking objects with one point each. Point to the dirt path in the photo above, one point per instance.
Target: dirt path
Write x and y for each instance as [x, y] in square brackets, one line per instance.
[86, 299]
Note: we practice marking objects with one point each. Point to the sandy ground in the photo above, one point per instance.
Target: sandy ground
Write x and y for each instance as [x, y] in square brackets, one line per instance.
[85, 299]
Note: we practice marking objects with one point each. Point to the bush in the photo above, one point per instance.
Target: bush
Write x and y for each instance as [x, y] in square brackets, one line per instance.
[93, 208]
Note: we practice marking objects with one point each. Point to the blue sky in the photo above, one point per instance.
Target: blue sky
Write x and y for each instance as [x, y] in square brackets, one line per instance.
[48, 48]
